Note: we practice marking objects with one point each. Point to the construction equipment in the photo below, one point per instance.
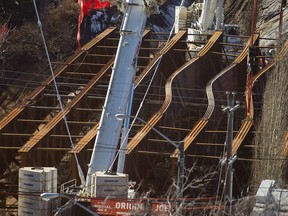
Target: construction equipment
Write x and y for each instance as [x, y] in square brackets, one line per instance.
[120, 90]
[202, 19]
[121, 84]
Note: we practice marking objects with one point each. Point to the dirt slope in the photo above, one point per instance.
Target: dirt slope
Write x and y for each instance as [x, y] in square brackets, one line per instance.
[267, 16]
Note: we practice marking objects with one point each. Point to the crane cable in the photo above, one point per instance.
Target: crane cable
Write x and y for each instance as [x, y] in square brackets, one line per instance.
[80, 171]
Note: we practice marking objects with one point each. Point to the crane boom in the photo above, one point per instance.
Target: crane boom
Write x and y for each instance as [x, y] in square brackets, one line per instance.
[119, 90]
[208, 14]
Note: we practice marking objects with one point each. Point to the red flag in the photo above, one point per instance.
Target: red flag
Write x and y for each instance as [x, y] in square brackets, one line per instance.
[85, 8]
[94, 4]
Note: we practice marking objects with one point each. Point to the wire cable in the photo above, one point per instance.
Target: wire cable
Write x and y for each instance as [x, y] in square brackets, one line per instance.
[80, 171]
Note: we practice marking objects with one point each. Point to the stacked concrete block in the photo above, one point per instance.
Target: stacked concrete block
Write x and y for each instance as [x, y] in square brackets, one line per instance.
[109, 185]
[32, 182]
[270, 200]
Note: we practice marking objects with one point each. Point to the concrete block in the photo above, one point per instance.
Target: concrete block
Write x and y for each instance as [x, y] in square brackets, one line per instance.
[264, 192]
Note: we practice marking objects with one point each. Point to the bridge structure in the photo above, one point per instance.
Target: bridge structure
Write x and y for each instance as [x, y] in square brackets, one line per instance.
[184, 103]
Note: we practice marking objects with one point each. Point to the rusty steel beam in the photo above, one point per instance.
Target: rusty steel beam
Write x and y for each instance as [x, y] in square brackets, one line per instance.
[168, 90]
[225, 54]
[248, 121]
[98, 38]
[58, 117]
[199, 126]
[26, 101]
[81, 73]
[45, 121]
[92, 133]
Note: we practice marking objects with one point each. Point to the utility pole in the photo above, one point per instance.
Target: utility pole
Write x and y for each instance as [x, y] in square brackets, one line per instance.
[230, 108]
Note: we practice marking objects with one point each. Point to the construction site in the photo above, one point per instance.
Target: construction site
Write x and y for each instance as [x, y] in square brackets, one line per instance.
[219, 93]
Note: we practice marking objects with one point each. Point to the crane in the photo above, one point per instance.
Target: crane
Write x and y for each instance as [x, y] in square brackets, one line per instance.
[205, 17]
[120, 89]
[121, 83]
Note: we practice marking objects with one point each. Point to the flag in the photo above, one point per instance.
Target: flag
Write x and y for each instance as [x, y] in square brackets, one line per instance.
[85, 8]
